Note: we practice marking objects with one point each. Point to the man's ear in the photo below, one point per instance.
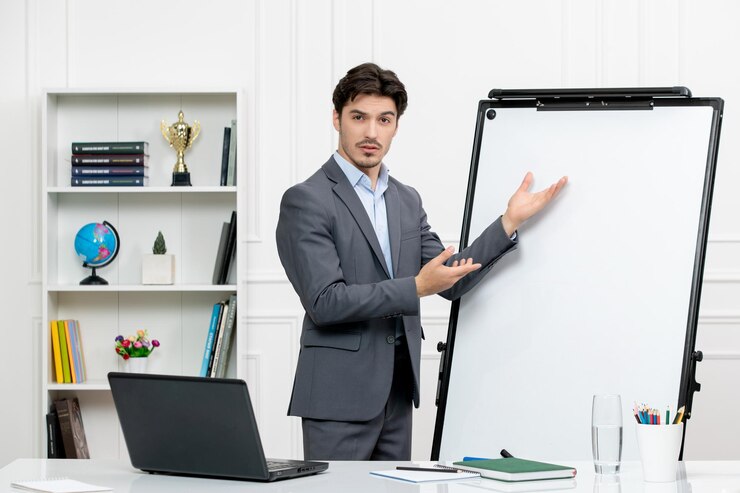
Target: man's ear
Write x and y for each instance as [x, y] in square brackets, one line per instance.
[337, 122]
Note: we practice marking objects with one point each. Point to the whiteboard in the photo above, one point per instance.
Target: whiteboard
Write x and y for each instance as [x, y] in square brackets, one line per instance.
[596, 298]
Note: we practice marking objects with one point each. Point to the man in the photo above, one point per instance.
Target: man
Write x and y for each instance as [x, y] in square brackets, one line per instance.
[357, 248]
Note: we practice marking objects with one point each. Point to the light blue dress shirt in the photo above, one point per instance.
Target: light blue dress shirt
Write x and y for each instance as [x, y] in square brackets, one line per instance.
[373, 201]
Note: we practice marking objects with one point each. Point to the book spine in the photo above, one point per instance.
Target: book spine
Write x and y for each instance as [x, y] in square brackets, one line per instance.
[221, 253]
[109, 159]
[78, 430]
[51, 438]
[63, 351]
[219, 340]
[231, 174]
[75, 350]
[209, 340]
[80, 354]
[70, 352]
[114, 181]
[65, 427]
[139, 147]
[108, 170]
[228, 335]
[55, 437]
[58, 371]
[225, 156]
[230, 247]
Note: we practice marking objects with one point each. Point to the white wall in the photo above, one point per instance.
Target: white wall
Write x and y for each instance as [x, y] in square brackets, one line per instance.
[288, 55]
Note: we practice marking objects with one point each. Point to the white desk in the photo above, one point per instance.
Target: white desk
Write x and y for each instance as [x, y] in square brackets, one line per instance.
[354, 477]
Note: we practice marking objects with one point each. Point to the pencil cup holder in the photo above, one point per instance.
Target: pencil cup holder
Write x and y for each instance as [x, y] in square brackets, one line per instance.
[659, 448]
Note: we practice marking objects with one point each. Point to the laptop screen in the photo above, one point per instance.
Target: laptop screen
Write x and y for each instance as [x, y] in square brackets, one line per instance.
[189, 425]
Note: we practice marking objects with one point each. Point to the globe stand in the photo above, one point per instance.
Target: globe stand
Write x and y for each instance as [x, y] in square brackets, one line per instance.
[93, 279]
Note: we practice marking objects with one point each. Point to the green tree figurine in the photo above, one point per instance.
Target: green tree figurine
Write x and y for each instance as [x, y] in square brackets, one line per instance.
[159, 248]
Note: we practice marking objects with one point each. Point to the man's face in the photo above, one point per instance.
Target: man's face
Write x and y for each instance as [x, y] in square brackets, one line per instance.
[366, 128]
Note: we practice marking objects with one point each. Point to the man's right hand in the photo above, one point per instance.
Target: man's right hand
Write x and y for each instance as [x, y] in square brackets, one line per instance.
[435, 276]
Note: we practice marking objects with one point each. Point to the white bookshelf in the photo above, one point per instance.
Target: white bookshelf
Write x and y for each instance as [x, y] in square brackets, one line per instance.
[190, 218]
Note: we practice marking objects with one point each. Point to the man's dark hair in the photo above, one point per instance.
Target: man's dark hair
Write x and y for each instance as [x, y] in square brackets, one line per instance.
[368, 78]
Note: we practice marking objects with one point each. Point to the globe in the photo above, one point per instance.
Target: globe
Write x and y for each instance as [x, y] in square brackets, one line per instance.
[96, 245]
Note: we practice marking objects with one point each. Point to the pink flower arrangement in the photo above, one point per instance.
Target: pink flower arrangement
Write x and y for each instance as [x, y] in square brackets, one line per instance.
[138, 346]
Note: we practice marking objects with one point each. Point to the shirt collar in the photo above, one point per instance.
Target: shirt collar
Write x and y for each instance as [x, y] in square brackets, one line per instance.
[355, 176]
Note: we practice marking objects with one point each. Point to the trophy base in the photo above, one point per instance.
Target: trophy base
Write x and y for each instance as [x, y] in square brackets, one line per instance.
[181, 179]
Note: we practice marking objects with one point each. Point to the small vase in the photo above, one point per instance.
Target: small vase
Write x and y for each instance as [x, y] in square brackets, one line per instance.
[158, 269]
[135, 365]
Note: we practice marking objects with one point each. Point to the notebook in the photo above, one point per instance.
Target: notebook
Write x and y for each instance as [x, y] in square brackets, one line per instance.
[424, 476]
[195, 426]
[516, 469]
[61, 485]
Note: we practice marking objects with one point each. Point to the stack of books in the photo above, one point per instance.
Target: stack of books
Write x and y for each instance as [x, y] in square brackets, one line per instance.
[109, 164]
[65, 431]
[66, 344]
[218, 339]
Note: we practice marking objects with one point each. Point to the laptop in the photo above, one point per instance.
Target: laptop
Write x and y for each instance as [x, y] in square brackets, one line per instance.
[196, 426]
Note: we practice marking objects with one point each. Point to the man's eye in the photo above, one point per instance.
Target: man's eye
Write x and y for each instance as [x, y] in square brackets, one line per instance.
[385, 120]
[357, 117]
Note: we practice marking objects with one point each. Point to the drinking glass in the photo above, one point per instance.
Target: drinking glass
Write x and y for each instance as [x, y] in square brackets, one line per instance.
[606, 433]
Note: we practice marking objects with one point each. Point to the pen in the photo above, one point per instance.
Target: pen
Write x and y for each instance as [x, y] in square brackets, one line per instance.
[679, 415]
[425, 469]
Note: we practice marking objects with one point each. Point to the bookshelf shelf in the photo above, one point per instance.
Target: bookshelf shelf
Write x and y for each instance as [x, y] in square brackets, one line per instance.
[190, 218]
[90, 385]
[140, 288]
[163, 189]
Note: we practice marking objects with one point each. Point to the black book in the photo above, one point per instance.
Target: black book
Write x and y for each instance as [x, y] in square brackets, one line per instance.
[109, 159]
[115, 170]
[139, 147]
[109, 181]
[221, 253]
[225, 156]
[230, 248]
[54, 447]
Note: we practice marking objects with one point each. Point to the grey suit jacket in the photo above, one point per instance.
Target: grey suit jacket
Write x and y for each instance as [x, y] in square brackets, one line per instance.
[333, 259]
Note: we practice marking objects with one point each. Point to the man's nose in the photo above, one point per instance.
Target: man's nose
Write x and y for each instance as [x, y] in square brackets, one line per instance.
[371, 130]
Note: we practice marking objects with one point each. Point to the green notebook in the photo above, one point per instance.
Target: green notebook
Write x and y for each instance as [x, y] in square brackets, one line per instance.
[514, 469]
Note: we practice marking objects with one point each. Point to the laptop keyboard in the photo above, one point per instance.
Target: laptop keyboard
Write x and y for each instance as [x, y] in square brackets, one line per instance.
[274, 465]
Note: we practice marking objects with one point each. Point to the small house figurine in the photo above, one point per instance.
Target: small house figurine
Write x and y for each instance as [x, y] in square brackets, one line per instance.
[158, 267]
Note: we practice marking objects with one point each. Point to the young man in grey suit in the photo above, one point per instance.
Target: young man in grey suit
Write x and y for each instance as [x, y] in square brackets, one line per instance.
[357, 248]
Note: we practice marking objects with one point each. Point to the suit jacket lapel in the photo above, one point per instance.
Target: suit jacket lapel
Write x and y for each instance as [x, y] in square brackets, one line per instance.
[347, 194]
[393, 209]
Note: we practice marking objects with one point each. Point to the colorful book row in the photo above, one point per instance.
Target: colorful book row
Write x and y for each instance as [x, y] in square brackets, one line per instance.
[218, 339]
[66, 344]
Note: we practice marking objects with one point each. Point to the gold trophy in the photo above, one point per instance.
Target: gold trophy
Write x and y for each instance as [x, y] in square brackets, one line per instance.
[181, 136]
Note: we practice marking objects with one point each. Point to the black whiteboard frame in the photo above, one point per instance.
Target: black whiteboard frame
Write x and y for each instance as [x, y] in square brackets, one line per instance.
[639, 99]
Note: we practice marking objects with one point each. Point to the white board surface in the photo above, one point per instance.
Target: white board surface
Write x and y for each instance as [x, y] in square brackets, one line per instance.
[595, 299]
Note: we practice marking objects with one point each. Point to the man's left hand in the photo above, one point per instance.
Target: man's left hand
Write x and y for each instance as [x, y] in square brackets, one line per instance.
[525, 204]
